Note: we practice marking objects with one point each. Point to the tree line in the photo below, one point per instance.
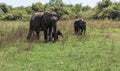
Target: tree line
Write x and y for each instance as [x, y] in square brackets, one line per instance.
[104, 9]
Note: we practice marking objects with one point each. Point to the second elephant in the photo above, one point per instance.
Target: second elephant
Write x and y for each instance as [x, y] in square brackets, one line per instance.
[79, 26]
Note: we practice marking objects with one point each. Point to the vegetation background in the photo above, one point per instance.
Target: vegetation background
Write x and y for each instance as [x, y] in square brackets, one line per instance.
[104, 9]
[98, 50]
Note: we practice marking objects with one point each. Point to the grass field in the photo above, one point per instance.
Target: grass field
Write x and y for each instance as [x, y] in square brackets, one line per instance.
[98, 50]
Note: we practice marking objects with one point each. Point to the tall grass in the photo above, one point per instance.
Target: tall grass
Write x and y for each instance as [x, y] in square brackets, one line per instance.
[98, 50]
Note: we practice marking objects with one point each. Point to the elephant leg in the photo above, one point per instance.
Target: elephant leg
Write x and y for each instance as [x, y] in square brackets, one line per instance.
[37, 34]
[56, 37]
[84, 31]
[45, 35]
[29, 34]
[76, 30]
[81, 31]
[54, 31]
[50, 33]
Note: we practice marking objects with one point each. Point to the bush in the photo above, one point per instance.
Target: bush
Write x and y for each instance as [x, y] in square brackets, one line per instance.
[65, 17]
[12, 16]
[26, 17]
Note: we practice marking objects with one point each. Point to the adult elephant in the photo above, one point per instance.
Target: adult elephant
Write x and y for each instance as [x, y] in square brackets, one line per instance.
[79, 26]
[43, 21]
[35, 24]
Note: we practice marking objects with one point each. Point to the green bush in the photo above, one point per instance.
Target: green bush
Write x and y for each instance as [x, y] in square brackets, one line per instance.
[26, 17]
[107, 10]
[12, 16]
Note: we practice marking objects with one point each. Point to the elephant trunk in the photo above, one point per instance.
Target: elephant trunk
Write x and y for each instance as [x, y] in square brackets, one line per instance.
[54, 31]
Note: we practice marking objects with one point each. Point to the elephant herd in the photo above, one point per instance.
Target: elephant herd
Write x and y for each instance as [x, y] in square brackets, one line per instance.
[46, 22]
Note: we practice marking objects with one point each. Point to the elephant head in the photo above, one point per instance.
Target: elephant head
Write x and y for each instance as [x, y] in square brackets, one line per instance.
[79, 26]
[51, 20]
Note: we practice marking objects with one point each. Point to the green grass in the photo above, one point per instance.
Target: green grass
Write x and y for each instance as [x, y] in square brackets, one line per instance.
[98, 50]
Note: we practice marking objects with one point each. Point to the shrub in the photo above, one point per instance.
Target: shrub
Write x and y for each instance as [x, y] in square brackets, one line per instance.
[12, 16]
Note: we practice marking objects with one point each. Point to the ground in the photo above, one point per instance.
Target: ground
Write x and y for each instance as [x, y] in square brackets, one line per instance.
[98, 50]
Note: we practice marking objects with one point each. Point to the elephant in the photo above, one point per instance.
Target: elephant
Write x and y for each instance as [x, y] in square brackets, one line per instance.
[58, 33]
[43, 21]
[79, 24]
[35, 24]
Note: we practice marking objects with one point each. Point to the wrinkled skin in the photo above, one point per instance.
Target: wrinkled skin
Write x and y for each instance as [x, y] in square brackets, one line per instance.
[79, 27]
[35, 25]
[43, 21]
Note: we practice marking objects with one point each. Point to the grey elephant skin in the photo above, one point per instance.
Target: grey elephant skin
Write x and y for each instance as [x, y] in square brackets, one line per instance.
[59, 33]
[79, 26]
[43, 21]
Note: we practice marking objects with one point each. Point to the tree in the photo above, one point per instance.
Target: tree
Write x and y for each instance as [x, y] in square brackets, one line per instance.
[29, 10]
[78, 8]
[37, 7]
[4, 8]
[107, 10]
[85, 8]
[104, 4]
[52, 2]
[59, 2]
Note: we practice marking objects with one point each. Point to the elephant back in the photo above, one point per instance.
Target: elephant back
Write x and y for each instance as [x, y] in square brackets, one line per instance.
[46, 17]
[35, 20]
[50, 17]
[37, 16]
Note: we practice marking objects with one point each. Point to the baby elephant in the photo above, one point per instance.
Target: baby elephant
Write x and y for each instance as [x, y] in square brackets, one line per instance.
[79, 26]
[58, 33]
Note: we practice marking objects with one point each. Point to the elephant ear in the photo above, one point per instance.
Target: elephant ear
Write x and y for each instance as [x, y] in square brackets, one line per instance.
[55, 16]
[46, 16]
[55, 19]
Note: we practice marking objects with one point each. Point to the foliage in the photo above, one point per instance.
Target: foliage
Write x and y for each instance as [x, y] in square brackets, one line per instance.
[57, 2]
[37, 7]
[29, 10]
[104, 9]
[107, 10]
[77, 8]
[4, 8]
[1, 12]
[104, 4]
[86, 8]
[12, 16]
